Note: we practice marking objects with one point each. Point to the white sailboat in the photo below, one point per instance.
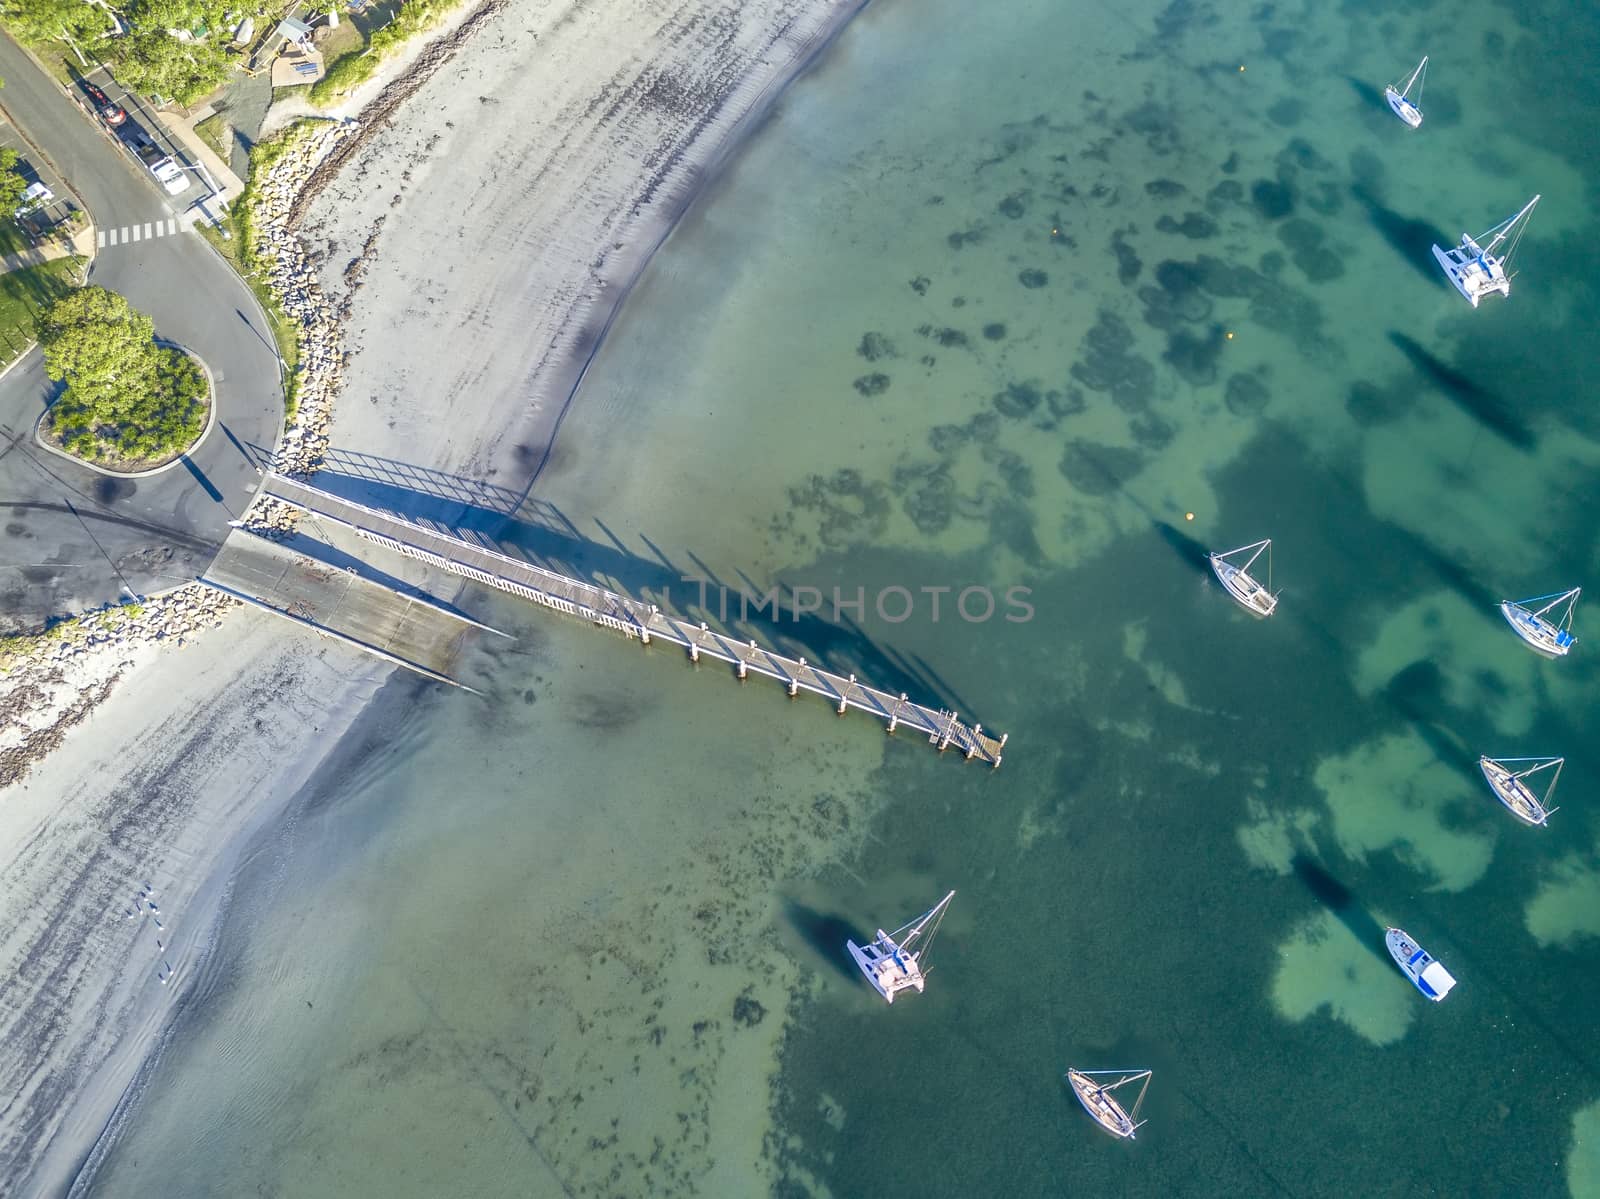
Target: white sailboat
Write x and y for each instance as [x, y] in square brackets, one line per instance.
[1416, 963]
[1098, 1101]
[1406, 106]
[1476, 269]
[1552, 638]
[894, 962]
[1241, 584]
[1507, 779]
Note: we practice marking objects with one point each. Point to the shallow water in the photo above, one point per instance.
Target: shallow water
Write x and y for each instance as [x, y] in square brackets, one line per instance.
[996, 303]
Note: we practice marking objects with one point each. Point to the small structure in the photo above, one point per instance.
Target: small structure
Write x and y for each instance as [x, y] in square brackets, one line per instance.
[298, 61]
[296, 33]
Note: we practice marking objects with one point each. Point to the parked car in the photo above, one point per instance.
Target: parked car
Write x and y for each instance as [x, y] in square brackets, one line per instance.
[34, 197]
[110, 113]
[157, 160]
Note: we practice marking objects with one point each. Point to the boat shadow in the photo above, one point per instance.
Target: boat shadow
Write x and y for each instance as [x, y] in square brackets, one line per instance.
[1471, 397]
[1410, 238]
[1190, 551]
[1372, 96]
[1416, 692]
[825, 934]
[1341, 901]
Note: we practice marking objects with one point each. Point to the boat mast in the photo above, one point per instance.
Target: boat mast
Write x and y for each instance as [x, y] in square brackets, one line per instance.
[1258, 547]
[935, 914]
[1500, 231]
[1544, 764]
[1421, 67]
[1566, 618]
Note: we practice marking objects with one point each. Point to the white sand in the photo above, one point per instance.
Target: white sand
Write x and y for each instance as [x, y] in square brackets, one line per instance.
[515, 199]
[520, 191]
[155, 789]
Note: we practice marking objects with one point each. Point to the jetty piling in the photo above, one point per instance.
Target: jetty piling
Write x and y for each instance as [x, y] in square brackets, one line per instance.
[622, 614]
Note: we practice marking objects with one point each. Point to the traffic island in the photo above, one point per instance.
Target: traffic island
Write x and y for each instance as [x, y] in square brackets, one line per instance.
[132, 404]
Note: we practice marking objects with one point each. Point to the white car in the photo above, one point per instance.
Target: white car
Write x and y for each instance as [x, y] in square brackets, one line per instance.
[35, 197]
[166, 171]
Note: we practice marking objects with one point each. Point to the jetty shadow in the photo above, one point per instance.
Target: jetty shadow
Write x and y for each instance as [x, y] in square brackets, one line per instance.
[826, 933]
[1412, 239]
[1196, 556]
[1341, 901]
[1471, 397]
[540, 533]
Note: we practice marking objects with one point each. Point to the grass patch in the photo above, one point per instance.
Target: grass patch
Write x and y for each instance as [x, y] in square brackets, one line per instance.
[213, 131]
[349, 72]
[343, 75]
[25, 294]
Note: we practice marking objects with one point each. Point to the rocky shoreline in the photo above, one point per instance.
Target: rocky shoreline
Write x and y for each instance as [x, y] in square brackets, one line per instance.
[293, 277]
[50, 681]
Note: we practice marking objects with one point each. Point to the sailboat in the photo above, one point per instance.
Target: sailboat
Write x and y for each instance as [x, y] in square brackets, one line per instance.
[1474, 268]
[890, 962]
[1506, 780]
[1429, 976]
[1240, 584]
[1098, 1101]
[1405, 106]
[1552, 638]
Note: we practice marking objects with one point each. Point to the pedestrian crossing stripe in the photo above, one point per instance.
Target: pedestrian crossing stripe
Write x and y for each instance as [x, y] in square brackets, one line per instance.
[133, 233]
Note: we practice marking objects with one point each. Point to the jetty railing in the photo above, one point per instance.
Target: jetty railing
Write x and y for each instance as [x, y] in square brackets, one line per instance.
[630, 617]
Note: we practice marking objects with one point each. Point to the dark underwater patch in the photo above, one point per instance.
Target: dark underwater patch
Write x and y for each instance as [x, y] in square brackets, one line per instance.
[1099, 469]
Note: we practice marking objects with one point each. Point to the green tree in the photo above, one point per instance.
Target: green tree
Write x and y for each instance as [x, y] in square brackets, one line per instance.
[151, 60]
[70, 21]
[125, 394]
[12, 185]
[98, 343]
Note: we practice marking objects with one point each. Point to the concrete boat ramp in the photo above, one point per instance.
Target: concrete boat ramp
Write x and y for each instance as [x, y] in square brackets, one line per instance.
[410, 630]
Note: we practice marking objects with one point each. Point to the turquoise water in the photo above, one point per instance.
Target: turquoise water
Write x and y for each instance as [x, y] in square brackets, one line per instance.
[960, 317]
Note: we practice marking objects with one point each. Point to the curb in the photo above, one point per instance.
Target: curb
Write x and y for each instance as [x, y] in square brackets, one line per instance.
[211, 423]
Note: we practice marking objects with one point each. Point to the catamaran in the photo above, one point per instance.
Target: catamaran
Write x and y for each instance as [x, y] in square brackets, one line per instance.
[1507, 780]
[1098, 1101]
[1240, 584]
[1550, 637]
[1430, 977]
[889, 961]
[1405, 106]
[1474, 268]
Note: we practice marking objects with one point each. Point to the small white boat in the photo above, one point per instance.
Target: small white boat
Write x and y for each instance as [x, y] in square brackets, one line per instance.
[1476, 270]
[1404, 105]
[895, 962]
[1510, 786]
[1098, 1101]
[1430, 977]
[1239, 582]
[1533, 624]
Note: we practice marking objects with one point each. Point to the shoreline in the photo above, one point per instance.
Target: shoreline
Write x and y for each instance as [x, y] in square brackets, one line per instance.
[107, 1027]
[703, 176]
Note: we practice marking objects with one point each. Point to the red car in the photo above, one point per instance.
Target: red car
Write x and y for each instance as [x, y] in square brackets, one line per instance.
[109, 112]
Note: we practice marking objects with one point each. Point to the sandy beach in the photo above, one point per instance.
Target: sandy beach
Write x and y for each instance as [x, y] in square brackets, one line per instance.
[478, 241]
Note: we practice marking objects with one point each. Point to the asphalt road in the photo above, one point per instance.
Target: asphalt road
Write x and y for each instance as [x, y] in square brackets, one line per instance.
[71, 538]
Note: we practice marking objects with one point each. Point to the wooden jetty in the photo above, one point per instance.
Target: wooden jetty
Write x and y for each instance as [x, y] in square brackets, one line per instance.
[630, 617]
